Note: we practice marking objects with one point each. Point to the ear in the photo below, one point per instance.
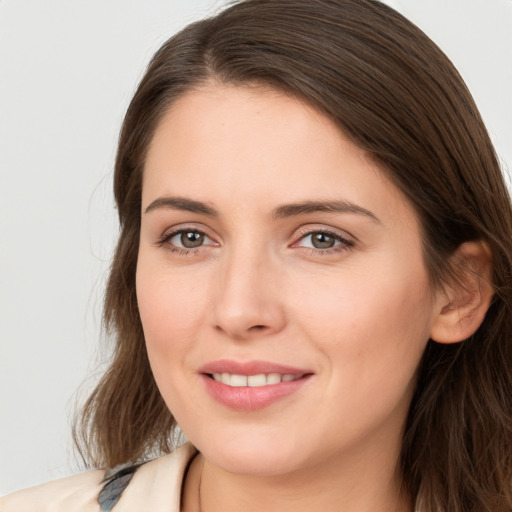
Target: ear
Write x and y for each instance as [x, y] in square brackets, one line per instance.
[462, 305]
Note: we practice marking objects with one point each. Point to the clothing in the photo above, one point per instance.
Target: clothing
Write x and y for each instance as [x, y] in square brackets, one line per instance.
[154, 486]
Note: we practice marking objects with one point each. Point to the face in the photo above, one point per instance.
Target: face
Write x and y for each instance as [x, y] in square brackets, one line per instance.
[281, 285]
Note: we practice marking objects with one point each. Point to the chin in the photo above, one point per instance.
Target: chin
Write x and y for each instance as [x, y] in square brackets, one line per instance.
[255, 454]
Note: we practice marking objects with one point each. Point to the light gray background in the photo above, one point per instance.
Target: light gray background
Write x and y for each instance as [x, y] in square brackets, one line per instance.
[67, 72]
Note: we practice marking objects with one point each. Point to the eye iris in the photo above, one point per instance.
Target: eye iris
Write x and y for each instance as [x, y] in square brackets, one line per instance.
[322, 241]
[191, 239]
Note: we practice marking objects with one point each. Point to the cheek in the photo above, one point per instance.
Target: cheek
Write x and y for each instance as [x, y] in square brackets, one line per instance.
[358, 302]
[374, 325]
[170, 309]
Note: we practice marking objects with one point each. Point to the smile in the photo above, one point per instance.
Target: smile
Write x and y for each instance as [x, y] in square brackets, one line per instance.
[252, 385]
[253, 381]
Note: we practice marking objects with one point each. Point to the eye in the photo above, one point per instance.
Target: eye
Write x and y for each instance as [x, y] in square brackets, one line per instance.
[185, 240]
[188, 239]
[323, 241]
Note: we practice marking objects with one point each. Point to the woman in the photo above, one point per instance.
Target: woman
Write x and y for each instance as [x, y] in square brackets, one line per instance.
[313, 278]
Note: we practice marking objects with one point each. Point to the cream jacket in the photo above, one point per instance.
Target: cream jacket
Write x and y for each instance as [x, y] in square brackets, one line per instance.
[155, 487]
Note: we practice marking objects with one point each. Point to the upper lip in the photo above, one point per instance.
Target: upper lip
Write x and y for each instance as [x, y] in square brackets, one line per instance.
[250, 368]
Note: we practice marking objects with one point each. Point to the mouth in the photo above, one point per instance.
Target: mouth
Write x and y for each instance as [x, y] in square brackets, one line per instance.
[253, 381]
[252, 385]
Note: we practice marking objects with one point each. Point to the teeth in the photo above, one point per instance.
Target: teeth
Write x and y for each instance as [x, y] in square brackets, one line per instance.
[234, 380]
[256, 380]
[273, 378]
[238, 381]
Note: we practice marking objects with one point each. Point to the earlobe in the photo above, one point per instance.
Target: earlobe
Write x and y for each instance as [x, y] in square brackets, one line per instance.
[462, 305]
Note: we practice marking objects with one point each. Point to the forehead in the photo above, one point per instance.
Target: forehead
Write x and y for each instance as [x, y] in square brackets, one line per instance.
[242, 121]
[227, 144]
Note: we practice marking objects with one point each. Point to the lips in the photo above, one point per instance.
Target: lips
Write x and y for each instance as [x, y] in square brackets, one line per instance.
[247, 386]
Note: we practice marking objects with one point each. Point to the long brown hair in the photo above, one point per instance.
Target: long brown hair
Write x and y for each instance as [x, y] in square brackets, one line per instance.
[396, 95]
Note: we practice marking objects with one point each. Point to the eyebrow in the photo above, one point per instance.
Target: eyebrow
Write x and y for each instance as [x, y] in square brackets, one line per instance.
[281, 211]
[182, 203]
[337, 206]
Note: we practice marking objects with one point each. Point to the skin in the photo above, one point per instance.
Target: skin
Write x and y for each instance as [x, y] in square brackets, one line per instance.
[357, 315]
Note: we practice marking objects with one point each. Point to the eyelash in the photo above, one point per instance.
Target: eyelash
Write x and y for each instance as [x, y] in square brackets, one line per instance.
[181, 251]
[344, 243]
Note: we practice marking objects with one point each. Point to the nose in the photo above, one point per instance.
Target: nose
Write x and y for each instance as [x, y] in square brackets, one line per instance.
[248, 300]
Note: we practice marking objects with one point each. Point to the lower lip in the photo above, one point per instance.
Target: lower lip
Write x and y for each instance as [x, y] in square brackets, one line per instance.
[248, 398]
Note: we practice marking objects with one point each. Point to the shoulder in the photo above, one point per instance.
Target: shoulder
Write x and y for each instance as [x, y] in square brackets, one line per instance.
[155, 486]
[77, 492]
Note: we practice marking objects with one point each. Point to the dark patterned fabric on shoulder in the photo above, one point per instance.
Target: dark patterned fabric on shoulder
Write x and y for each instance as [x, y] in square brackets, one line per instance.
[116, 480]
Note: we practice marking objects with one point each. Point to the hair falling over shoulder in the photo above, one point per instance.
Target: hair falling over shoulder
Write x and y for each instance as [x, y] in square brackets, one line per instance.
[396, 95]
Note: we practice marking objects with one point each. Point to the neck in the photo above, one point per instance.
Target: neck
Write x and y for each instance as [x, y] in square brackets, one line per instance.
[354, 486]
